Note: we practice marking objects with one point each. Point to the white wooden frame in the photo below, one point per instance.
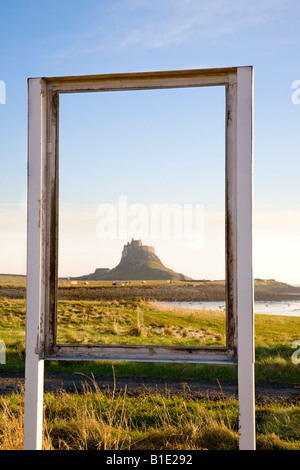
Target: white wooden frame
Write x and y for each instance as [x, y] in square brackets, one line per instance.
[43, 238]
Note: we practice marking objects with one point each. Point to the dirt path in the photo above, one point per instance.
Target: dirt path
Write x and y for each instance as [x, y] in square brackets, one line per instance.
[133, 386]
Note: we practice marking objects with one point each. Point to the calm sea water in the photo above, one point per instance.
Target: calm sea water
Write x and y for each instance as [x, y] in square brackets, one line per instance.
[287, 308]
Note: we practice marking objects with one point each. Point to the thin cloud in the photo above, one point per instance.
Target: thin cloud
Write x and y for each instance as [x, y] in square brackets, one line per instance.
[159, 24]
[187, 21]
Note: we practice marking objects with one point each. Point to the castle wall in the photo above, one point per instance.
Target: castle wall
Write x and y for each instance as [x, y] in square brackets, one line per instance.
[149, 249]
[136, 245]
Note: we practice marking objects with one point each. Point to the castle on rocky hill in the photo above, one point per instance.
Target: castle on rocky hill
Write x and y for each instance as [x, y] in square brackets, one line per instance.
[138, 262]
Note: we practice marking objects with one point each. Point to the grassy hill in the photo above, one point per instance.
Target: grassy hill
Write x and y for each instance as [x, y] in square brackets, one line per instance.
[150, 270]
[138, 262]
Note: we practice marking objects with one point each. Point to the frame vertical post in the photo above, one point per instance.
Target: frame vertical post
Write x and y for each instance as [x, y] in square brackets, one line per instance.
[244, 259]
[34, 365]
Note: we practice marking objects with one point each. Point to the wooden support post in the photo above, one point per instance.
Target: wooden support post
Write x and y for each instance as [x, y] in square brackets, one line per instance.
[244, 259]
[34, 365]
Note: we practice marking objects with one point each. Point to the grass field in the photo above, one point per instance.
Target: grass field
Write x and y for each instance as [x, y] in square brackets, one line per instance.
[138, 322]
[96, 420]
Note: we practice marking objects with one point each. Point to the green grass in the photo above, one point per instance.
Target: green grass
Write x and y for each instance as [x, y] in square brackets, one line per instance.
[138, 322]
[12, 332]
[98, 421]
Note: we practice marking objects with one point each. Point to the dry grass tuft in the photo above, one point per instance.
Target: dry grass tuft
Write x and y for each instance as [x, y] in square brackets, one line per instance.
[94, 420]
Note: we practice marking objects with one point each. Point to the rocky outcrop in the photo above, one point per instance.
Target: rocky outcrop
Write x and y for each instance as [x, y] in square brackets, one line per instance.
[138, 262]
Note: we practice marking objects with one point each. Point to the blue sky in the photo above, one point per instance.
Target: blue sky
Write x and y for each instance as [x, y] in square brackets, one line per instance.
[55, 38]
